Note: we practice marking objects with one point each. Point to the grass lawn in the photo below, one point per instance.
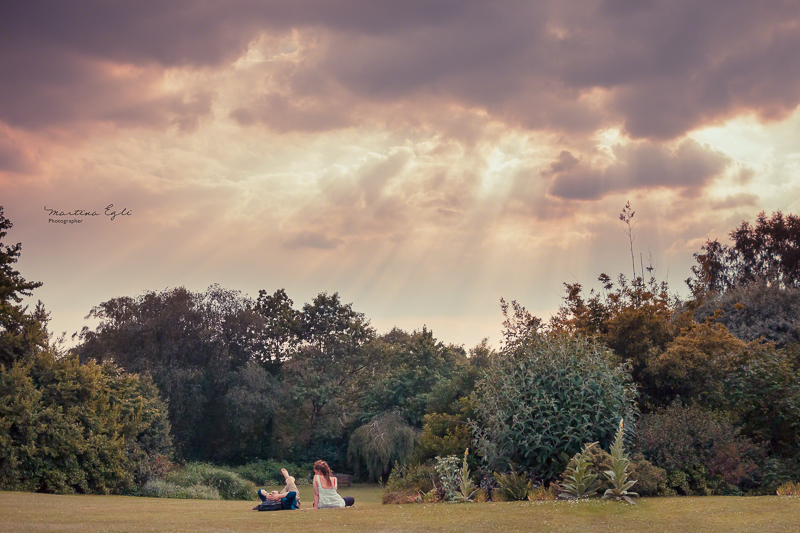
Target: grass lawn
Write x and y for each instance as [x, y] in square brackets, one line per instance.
[38, 513]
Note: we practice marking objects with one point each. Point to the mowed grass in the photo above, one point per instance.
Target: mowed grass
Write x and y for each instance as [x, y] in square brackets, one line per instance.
[39, 513]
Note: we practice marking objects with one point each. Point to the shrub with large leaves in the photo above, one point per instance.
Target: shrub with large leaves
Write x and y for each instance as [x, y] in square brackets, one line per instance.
[540, 401]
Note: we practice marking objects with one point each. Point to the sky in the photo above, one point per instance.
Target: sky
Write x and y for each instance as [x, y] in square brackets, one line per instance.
[422, 159]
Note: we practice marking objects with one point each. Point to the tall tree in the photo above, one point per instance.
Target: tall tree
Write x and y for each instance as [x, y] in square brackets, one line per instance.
[326, 374]
[199, 348]
[282, 326]
[422, 374]
[770, 249]
[21, 332]
[636, 319]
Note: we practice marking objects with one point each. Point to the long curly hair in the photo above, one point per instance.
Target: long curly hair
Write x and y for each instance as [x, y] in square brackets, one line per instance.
[323, 468]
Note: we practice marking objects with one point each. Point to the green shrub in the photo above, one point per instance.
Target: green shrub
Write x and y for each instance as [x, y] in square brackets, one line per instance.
[412, 479]
[442, 434]
[702, 452]
[618, 474]
[159, 488]
[652, 480]
[228, 484]
[268, 472]
[777, 471]
[448, 476]
[69, 427]
[511, 487]
[581, 478]
[202, 492]
[541, 400]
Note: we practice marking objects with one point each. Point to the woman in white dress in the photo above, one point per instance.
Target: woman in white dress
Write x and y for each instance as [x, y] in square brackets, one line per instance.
[325, 494]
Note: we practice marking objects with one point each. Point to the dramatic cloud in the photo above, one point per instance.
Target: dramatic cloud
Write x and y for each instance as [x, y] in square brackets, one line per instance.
[637, 166]
[658, 69]
[422, 158]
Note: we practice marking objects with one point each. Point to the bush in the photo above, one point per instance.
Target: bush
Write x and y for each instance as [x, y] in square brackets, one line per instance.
[412, 479]
[512, 487]
[541, 493]
[202, 492]
[69, 427]
[701, 452]
[447, 474]
[582, 478]
[777, 471]
[228, 484]
[442, 434]
[159, 488]
[651, 480]
[540, 401]
[268, 472]
[788, 489]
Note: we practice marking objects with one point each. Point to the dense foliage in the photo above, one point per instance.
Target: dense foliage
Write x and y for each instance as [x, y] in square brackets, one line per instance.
[21, 333]
[768, 250]
[71, 427]
[702, 452]
[545, 398]
[260, 384]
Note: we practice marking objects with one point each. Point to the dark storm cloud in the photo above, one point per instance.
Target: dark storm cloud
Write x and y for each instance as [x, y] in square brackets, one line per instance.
[688, 168]
[663, 68]
[656, 68]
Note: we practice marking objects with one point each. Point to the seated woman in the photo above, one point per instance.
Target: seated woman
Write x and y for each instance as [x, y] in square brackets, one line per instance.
[325, 495]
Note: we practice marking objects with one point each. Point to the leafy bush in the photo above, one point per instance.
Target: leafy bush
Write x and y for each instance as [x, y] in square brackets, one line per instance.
[701, 452]
[777, 471]
[757, 310]
[580, 479]
[541, 493]
[413, 478]
[512, 486]
[159, 488]
[618, 474]
[540, 401]
[448, 476]
[202, 492]
[70, 427]
[228, 484]
[788, 489]
[652, 480]
[442, 434]
[268, 472]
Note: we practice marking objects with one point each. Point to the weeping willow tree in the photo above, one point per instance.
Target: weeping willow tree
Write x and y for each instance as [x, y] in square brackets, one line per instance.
[377, 445]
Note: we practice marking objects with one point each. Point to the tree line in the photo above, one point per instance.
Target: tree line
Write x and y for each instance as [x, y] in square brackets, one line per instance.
[707, 384]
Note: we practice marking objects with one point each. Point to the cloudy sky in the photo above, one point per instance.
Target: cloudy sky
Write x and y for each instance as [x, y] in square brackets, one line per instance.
[420, 158]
